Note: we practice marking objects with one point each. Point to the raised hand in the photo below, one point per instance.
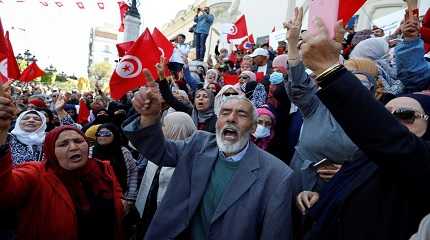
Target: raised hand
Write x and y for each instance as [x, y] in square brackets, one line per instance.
[294, 27]
[147, 101]
[59, 103]
[161, 66]
[319, 51]
[7, 111]
[411, 28]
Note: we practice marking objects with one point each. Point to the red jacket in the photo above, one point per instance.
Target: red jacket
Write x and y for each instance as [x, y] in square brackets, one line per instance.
[45, 208]
[425, 31]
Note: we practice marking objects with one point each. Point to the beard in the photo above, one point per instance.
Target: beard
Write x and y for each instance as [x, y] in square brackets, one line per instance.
[228, 147]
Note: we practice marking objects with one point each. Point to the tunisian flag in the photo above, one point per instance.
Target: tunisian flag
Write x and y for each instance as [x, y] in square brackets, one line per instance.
[3, 56]
[128, 74]
[347, 9]
[31, 72]
[238, 30]
[123, 8]
[247, 44]
[12, 66]
[124, 47]
[164, 45]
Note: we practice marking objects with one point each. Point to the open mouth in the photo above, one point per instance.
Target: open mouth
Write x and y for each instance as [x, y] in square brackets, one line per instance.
[76, 157]
[230, 134]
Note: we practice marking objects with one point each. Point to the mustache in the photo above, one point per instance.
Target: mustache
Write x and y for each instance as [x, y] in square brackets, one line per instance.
[230, 127]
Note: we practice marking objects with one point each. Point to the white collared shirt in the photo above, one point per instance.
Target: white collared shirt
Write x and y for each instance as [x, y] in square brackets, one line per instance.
[181, 50]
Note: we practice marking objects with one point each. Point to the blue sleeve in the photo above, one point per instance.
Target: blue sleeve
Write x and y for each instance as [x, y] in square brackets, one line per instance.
[413, 69]
[210, 19]
[302, 90]
[194, 83]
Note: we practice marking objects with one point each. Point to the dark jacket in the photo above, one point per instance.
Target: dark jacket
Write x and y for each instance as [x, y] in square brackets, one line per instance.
[255, 205]
[391, 203]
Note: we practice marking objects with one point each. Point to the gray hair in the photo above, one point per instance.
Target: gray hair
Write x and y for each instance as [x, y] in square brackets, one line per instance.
[240, 98]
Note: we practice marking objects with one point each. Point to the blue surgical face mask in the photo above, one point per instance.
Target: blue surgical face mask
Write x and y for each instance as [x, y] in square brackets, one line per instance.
[261, 131]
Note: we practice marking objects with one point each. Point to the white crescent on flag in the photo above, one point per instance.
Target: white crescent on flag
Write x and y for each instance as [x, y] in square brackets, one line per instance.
[129, 67]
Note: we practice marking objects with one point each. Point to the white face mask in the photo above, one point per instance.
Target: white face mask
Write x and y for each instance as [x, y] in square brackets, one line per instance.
[262, 131]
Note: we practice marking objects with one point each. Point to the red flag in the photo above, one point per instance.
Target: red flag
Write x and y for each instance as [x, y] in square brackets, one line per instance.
[128, 74]
[12, 66]
[247, 44]
[124, 47]
[347, 9]
[238, 30]
[123, 8]
[80, 5]
[59, 4]
[31, 72]
[101, 5]
[3, 56]
[84, 112]
[230, 79]
[164, 45]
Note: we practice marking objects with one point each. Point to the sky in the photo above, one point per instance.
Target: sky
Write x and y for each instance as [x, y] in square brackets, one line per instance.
[60, 35]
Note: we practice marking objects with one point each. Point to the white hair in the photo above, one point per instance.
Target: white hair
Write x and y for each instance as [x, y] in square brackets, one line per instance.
[239, 98]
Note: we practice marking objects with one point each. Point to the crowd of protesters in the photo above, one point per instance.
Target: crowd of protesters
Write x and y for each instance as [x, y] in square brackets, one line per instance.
[321, 139]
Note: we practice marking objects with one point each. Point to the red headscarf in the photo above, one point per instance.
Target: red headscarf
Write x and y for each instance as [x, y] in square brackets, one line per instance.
[38, 103]
[91, 174]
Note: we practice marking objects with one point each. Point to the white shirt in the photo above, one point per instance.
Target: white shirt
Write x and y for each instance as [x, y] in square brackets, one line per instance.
[262, 69]
[181, 50]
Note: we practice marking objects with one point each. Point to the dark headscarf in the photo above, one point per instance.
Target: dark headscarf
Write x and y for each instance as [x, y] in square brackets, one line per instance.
[112, 153]
[118, 112]
[203, 116]
[71, 107]
[91, 176]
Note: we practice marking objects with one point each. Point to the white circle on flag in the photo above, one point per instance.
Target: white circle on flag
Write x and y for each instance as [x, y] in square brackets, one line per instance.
[233, 30]
[162, 51]
[129, 67]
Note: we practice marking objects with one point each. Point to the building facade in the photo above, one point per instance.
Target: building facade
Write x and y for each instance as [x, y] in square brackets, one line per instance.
[102, 45]
[263, 16]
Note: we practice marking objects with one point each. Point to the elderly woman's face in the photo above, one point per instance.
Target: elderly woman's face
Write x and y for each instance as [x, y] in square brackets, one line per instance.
[211, 77]
[30, 122]
[245, 66]
[410, 113]
[265, 121]
[71, 150]
[201, 101]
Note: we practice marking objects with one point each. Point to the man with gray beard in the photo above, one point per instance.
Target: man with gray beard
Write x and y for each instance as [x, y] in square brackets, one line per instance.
[224, 186]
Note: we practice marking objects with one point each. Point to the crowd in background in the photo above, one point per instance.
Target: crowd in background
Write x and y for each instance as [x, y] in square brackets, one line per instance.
[318, 139]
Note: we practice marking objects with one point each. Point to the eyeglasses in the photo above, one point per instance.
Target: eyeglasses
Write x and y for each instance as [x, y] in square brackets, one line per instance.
[230, 94]
[244, 77]
[408, 116]
[104, 133]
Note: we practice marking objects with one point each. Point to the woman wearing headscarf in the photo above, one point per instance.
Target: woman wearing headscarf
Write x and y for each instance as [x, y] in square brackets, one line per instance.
[109, 146]
[68, 196]
[176, 126]
[202, 112]
[27, 137]
[102, 116]
[377, 49]
[321, 137]
[244, 78]
[212, 76]
[265, 131]
[227, 90]
[358, 201]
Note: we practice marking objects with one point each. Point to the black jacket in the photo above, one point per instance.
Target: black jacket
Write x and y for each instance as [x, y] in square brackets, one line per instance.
[392, 202]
